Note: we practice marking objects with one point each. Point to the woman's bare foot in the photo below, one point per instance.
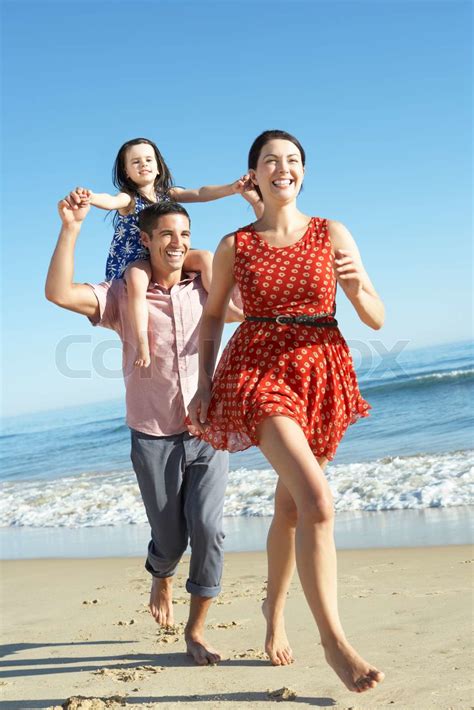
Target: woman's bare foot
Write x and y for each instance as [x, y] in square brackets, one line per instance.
[143, 355]
[196, 647]
[161, 601]
[356, 674]
[276, 641]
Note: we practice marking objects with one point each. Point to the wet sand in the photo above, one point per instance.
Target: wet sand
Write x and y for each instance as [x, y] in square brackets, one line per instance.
[82, 627]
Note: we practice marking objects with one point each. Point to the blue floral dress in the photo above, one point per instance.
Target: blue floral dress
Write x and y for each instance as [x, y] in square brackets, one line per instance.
[126, 243]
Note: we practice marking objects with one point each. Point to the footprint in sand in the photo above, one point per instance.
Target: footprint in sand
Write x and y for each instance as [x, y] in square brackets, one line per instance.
[252, 653]
[128, 674]
[170, 635]
[282, 694]
[81, 702]
[228, 625]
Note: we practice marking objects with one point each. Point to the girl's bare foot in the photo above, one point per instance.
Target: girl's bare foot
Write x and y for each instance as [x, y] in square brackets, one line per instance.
[143, 355]
[161, 601]
[356, 674]
[276, 641]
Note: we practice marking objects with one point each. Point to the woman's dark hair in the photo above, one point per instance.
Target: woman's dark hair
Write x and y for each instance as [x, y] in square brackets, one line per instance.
[163, 181]
[263, 139]
[149, 217]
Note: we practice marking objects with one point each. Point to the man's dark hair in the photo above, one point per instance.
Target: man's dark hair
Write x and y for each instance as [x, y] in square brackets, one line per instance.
[149, 217]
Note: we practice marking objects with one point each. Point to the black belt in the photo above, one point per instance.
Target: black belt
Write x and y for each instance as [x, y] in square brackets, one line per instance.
[318, 320]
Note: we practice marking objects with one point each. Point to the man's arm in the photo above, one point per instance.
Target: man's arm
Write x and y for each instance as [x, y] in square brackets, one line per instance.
[60, 288]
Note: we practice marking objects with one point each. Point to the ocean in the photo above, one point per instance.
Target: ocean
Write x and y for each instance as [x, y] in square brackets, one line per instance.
[402, 476]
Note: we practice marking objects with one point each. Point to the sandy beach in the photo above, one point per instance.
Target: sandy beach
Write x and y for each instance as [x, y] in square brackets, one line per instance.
[82, 627]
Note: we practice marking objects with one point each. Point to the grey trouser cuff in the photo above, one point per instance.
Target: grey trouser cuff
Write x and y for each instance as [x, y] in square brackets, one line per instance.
[198, 591]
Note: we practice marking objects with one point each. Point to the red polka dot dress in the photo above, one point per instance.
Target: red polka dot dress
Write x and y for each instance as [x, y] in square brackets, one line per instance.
[298, 371]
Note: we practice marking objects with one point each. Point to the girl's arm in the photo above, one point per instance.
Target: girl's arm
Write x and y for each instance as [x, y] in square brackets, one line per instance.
[353, 278]
[210, 332]
[208, 192]
[102, 199]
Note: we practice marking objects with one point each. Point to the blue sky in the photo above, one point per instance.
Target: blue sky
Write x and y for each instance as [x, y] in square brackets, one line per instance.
[377, 92]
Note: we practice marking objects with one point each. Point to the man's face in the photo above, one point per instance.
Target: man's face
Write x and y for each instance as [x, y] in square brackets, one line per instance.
[170, 242]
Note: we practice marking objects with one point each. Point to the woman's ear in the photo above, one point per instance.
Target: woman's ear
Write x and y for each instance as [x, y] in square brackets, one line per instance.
[253, 176]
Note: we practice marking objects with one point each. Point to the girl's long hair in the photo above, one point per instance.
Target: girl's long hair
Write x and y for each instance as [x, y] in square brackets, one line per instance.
[163, 181]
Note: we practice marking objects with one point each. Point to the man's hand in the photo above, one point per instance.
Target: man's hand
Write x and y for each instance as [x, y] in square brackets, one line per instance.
[74, 207]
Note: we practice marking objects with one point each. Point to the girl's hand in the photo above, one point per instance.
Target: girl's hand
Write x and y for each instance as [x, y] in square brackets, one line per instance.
[197, 410]
[71, 210]
[85, 195]
[348, 273]
[242, 184]
[80, 197]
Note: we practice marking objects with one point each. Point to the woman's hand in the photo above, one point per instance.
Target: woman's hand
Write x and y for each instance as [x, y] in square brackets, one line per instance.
[349, 273]
[197, 410]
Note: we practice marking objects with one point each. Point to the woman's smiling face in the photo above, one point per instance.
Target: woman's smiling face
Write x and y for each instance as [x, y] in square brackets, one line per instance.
[279, 173]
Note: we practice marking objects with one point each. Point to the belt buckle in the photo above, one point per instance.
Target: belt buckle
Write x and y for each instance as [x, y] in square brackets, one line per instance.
[280, 320]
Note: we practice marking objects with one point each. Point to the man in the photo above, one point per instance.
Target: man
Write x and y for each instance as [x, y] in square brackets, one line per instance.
[182, 480]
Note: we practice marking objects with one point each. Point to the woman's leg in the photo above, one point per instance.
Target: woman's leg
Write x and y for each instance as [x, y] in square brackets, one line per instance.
[283, 443]
[138, 277]
[281, 566]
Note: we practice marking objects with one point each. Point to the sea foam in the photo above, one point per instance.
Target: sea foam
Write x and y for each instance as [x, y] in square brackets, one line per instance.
[96, 499]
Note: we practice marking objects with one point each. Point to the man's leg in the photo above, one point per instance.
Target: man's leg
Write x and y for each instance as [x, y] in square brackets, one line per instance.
[159, 464]
[204, 486]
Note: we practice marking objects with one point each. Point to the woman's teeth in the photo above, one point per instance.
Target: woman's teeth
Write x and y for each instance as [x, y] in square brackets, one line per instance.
[282, 183]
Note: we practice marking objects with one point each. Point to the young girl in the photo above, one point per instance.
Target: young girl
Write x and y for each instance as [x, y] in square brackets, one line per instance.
[142, 177]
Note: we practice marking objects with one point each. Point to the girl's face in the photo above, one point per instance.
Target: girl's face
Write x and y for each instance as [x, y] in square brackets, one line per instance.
[140, 164]
[279, 173]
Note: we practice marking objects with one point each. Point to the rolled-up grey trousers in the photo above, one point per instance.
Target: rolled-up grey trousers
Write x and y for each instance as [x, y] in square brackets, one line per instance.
[182, 481]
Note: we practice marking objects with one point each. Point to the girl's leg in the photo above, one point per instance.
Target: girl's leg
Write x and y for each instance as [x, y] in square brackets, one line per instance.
[138, 277]
[281, 566]
[283, 443]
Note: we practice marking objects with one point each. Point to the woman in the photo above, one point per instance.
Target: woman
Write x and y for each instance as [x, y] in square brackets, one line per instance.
[286, 383]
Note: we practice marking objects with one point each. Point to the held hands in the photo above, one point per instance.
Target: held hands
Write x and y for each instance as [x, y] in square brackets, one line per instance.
[197, 410]
[348, 273]
[74, 207]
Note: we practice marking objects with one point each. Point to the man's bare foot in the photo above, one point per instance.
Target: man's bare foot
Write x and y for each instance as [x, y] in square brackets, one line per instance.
[143, 355]
[356, 674]
[161, 601]
[202, 653]
[276, 641]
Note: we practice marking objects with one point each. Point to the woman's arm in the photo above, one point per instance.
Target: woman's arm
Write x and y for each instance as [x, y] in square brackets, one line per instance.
[353, 278]
[210, 332]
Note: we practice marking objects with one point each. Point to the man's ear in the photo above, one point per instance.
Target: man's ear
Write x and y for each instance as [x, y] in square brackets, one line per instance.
[145, 237]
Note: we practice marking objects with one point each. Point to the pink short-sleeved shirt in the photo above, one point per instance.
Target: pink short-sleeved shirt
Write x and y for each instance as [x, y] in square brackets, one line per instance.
[157, 397]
